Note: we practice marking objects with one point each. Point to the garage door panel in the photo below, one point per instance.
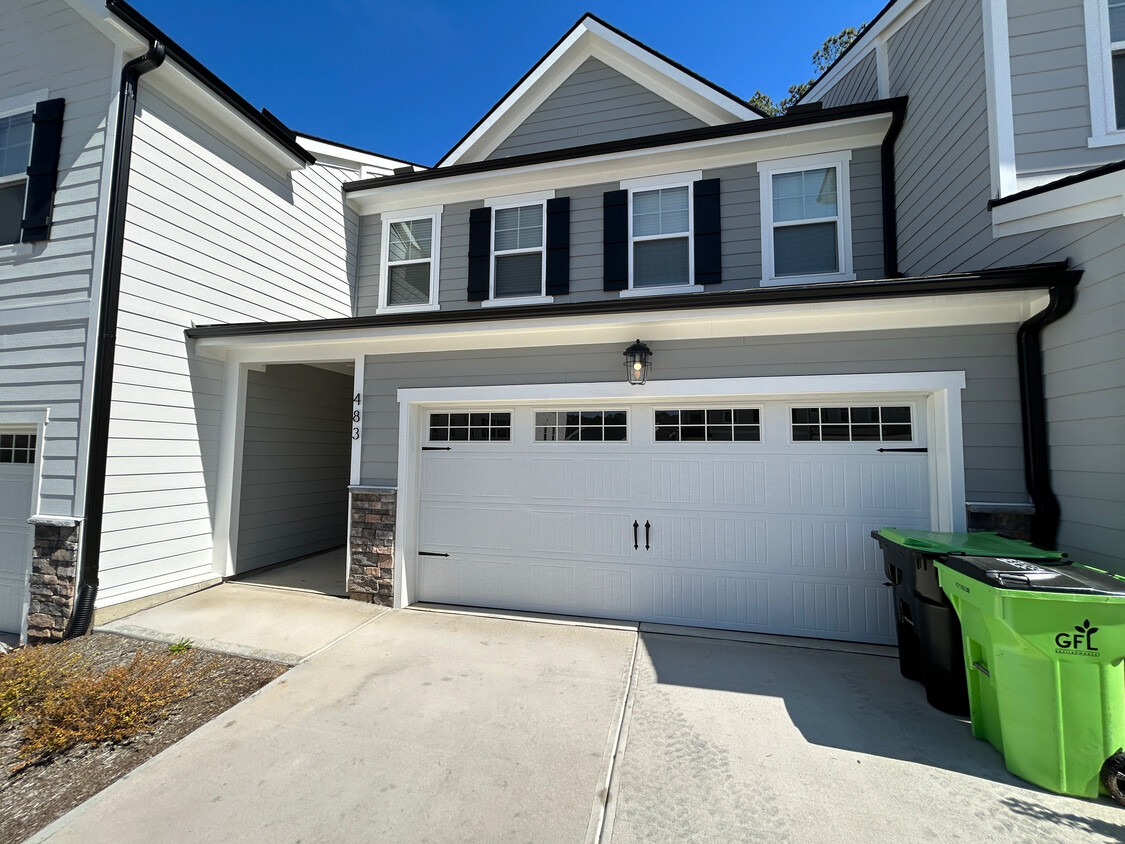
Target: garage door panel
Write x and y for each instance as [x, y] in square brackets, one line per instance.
[609, 535]
[893, 484]
[554, 531]
[609, 480]
[453, 528]
[816, 485]
[675, 481]
[555, 478]
[739, 541]
[739, 483]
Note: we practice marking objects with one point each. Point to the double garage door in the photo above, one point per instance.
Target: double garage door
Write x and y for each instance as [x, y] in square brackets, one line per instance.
[743, 515]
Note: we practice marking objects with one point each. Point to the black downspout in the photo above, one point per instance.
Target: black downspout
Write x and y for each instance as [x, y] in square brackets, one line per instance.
[83, 611]
[890, 208]
[1033, 406]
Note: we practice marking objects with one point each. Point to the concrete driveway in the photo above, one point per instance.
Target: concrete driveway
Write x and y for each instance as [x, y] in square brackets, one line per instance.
[435, 727]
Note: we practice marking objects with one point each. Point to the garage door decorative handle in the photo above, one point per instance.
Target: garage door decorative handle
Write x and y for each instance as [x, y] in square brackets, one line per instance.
[918, 450]
[636, 544]
[647, 527]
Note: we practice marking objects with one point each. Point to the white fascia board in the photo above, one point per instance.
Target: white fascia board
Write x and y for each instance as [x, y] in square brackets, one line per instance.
[173, 81]
[810, 139]
[96, 13]
[885, 314]
[346, 155]
[1093, 199]
[895, 18]
[591, 39]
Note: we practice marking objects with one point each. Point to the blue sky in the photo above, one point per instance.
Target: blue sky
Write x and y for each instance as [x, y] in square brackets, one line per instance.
[408, 79]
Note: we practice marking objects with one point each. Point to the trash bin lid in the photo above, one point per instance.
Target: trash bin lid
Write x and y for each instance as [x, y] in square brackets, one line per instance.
[982, 544]
[1002, 573]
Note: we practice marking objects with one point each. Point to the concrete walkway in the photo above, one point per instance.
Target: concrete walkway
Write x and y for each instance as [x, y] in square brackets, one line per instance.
[447, 727]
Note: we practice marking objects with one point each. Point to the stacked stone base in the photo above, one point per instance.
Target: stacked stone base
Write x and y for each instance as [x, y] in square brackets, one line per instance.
[372, 571]
[54, 575]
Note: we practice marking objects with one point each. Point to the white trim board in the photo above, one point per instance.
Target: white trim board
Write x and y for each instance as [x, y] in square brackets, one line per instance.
[998, 86]
[591, 39]
[1092, 199]
[942, 389]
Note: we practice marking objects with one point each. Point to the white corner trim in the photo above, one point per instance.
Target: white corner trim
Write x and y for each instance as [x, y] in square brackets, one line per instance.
[998, 84]
[358, 410]
[519, 199]
[1092, 199]
[882, 67]
[662, 180]
[232, 426]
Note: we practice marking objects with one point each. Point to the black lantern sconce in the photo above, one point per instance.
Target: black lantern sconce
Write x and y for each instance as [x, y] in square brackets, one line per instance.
[637, 359]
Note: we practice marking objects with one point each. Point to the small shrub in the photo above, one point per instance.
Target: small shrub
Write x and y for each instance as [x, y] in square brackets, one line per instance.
[29, 674]
[181, 646]
[112, 706]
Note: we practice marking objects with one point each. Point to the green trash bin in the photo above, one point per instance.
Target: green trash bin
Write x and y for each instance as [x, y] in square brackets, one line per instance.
[1043, 655]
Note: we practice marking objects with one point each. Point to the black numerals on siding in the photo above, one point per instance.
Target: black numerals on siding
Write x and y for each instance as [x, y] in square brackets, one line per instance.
[357, 415]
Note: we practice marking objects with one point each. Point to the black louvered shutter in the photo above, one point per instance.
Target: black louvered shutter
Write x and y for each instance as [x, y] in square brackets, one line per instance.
[558, 246]
[708, 233]
[615, 240]
[43, 172]
[480, 248]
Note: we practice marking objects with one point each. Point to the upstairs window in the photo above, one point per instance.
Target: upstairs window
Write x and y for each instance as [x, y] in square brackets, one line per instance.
[409, 259]
[661, 237]
[15, 155]
[1105, 59]
[806, 231]
[518, 257]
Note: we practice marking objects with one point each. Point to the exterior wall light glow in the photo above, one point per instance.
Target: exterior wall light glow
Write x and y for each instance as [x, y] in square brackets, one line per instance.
[637, 358]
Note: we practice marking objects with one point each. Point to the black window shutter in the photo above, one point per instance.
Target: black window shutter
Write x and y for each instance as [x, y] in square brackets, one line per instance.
[43, 172]
[480, 252]
[708, 233]
[558, 246]
[615, 240]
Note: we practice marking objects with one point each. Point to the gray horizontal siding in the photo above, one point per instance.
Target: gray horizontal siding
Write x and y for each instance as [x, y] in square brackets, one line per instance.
[1050, 89]
[993, 454]
[859, 85]
[741, 239]
[595, 104]
[296, 463]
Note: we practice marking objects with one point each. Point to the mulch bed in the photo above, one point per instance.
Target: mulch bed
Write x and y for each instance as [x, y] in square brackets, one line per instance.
[38, 794]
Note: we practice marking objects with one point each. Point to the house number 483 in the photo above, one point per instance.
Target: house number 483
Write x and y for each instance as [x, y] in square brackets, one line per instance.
[357, 401]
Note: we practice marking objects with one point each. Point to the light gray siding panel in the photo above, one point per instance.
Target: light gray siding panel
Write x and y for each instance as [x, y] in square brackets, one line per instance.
[994, 456]
[1050, 90]
[595, 104]
[296, 461]
[860, 85]
[45, 296]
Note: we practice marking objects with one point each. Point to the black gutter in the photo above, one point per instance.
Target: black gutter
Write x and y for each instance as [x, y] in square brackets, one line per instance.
[1031, 277]
[102, 398]
[726, 130]
[1077, 178]
[266, 123]
[1033, 406]
[890, 203]
[558, 43]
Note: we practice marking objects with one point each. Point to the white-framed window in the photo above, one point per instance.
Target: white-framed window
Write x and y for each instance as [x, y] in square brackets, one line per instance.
[708, 424]
[15, 155]
[1105, 59]
[518, 259]
[806, 219]
[592, 425]
[661, 257]
[409, 261]
[846, 423]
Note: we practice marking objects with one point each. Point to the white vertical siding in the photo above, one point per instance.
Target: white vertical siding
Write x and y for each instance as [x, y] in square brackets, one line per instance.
[45, 295]
[211, 238]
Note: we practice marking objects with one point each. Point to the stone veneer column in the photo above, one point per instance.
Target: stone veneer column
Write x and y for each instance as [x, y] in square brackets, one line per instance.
[372, 539]
[54, 576]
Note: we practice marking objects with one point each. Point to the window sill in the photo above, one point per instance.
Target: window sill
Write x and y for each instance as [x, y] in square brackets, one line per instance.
[1109, 139]
[670, 290]
[15, 250]
[517, 300]
[782, 281]
[406, 309]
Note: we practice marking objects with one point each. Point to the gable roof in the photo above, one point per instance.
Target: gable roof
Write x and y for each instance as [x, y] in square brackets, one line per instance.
[591, 36]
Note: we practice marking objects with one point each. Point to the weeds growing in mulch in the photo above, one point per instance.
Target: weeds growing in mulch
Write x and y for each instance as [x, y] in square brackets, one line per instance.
[77, 715]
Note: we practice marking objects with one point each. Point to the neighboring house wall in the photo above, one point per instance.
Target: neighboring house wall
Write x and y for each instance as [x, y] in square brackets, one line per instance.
[1050, 90]
[45, 293]
[296, 461]
[595, 104]
[860, 85]
[741, 237]
[211, 237]
[993, 454]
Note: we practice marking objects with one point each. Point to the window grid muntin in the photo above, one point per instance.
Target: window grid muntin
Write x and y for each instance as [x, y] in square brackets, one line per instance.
[498, 254]
[685, 234]
[852, 423]
[588, 425]
[708, 424]
[18, 448]
[470, 426]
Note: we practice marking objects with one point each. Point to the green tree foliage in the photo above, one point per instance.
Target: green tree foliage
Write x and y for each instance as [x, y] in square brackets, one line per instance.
[822, 59]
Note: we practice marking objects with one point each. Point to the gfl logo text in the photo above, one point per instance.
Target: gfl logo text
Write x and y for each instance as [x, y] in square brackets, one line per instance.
[1081, 639]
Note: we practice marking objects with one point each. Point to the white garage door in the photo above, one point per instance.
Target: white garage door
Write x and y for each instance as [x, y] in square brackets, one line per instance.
[17, 466]
[745, 515]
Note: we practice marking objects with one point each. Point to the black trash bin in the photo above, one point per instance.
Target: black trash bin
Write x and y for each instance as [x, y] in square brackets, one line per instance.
[929, 633]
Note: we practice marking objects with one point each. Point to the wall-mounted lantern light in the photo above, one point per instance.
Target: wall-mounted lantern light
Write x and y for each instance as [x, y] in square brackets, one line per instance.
[637, 358]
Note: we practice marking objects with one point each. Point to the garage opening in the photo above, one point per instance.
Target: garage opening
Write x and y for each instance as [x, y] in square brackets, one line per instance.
[296, 460]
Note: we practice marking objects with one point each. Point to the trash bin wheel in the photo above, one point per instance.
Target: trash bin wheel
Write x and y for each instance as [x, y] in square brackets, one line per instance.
[1113, 776]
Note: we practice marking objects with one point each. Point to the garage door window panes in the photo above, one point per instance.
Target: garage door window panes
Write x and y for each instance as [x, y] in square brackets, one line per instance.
[17, 448]
[852, 424]
[581, 425]
[470, 427]
[709, 425]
